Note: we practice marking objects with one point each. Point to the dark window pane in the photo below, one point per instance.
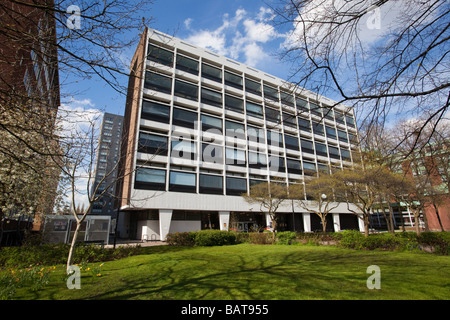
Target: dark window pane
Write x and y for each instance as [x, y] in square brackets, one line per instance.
[309, 168]
[184, 118]
[334, 152]
[287, 98]
[270, 93]
[254, 110]
[157, 82]
[210, 184]
[272, 114]
[211, 72]
[253, 87]
[291, 142]
[234, 104]
[151, 179]
[236, 186]
[151, 143]
[294, 166]
[342, 136]
[331, 132]
[187, 64]
[212, 97]
[304, 124]
[307, 146]
[318, 128]
[234, 129]
[289, 120]
[159, 55]
[186, 90]
[209, 122]
[321, 149]
[233, 80]
[155, 111]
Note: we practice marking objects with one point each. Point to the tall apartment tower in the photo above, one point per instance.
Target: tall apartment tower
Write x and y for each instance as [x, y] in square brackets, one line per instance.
[106, 169]
[29, 101]
[200, 129]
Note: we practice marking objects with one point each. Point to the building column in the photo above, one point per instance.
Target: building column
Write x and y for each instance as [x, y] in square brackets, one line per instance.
[336, 222]
[306, 222]
[224, 220]
[165, 217]
[361, 223]
[269, 221]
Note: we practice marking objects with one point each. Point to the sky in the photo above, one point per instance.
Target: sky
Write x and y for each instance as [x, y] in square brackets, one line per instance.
[238, 29]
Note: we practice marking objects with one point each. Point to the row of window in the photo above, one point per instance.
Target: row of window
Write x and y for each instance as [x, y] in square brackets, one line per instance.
[179, 181]
[185, 149]
[161, 83]
[166, 57]
[184, 118]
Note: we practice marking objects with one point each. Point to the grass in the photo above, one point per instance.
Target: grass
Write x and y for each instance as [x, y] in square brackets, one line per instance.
[255, 272]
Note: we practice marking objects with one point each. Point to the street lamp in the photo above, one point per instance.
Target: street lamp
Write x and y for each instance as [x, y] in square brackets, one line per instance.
[324, 196]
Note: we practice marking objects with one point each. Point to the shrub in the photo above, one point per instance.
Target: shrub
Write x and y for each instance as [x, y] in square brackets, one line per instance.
[286, 237]
[206, 238]
[440, 241]
[351, 239]
[53, 254]
[181, 238]
[260, 238]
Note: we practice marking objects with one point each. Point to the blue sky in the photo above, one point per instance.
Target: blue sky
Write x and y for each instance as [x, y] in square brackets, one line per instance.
[239, 29]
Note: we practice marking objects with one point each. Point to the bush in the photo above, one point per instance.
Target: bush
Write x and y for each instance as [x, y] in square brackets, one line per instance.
[207, 238]
[53, 254]
[440, 241]
[286, 237]
[260, 238]
[181, 239]
[202, 238]
[351, 239]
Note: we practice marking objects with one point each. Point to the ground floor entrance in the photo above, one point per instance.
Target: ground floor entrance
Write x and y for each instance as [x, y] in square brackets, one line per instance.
[156, 224]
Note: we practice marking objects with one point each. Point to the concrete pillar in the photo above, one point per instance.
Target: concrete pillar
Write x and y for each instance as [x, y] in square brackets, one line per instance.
[307, 222]
[224, 220]
[165, 217]
[336, 222]
[269, 221]
[361, 223]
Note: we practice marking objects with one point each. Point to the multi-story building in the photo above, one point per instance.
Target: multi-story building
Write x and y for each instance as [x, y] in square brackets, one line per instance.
[106, 168]
[29, 101]
[200, 129]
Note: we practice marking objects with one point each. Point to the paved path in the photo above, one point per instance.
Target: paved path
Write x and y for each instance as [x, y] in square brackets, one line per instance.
[120, 243]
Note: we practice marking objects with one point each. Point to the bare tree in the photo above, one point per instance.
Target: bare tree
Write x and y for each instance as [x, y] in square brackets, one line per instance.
[382, 57]
[269, 196]
[320, 191]
[49, 43]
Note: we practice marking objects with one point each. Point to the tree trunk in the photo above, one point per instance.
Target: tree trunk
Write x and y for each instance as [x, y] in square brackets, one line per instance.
[72, 246]
[416, 220]
[323, 217]
[366, 224]
[438, 217]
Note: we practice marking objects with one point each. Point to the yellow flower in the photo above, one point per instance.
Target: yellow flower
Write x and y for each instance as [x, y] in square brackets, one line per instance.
[99, 274]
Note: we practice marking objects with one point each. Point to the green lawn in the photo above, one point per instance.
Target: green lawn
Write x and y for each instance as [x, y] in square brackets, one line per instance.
[256, 272]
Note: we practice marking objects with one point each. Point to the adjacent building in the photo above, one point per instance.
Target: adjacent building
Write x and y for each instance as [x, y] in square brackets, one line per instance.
[106, 169]
[29, 101]
[200, 129]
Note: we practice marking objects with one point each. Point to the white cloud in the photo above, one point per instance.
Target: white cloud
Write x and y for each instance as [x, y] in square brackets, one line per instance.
[76, 119]
[240, 37]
